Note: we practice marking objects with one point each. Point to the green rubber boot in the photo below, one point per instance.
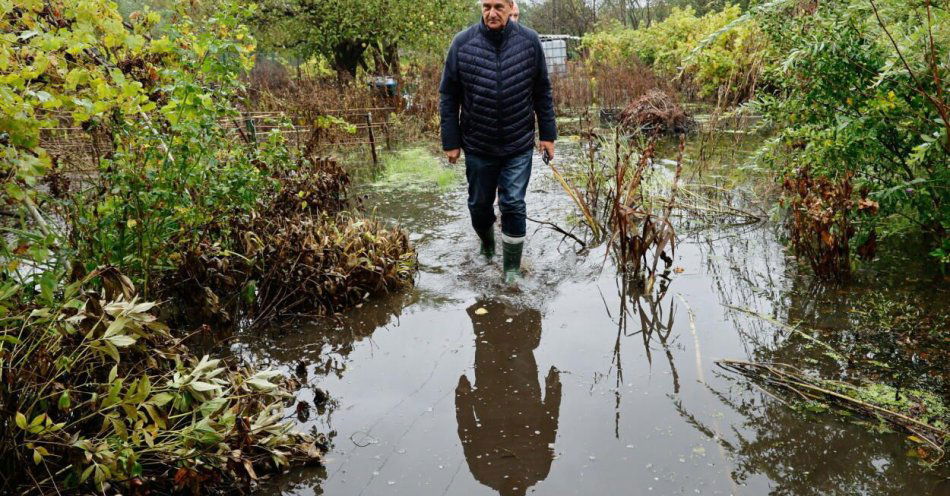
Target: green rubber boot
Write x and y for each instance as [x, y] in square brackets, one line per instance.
[511, 261]
[487, 238]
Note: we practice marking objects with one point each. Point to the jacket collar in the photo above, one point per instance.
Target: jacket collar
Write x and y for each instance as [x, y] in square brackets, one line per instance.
[497, 38]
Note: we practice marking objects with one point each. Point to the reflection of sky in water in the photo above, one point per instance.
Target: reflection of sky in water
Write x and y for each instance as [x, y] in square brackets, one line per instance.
[615, 393]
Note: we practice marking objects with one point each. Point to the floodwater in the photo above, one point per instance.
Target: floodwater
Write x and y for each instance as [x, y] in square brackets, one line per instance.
[574, 384]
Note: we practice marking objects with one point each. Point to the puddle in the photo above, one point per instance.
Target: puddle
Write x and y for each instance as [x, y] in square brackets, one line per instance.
[573, 385]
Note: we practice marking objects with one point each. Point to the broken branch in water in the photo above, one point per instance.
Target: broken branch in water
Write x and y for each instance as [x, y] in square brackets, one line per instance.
[702, 206]
[811, 388]
[555, 227]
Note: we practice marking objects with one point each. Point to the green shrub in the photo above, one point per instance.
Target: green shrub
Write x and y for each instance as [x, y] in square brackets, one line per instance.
[95, 390]
[846, 107]
[679, 46]
[165, 173]
[95, 393]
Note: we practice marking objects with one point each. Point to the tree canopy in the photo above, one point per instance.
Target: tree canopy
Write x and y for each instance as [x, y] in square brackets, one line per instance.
[353, 34]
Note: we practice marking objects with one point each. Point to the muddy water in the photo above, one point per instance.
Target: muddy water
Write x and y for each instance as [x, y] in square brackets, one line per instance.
[574, 385]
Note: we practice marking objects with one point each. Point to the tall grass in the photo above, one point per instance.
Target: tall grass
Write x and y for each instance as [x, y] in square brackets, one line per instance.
[609, 86]
[619, 210]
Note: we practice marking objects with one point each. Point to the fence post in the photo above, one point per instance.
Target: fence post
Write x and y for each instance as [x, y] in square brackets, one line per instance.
[389, 144]
[251, 128]
[372, 139]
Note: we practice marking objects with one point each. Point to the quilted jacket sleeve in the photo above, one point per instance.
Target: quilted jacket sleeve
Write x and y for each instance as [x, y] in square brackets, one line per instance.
[450, 91]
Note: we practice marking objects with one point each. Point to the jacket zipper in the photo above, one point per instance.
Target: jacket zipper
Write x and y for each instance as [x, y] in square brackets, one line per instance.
[498, 89]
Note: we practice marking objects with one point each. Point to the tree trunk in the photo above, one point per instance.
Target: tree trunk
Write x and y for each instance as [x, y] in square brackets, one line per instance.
[347, 57]
[391, 56]
[386, 59]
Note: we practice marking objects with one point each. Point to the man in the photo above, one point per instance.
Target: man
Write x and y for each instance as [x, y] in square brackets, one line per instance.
[496, 75]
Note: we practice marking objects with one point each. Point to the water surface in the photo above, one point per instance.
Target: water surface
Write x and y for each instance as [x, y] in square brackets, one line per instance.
[575, 384]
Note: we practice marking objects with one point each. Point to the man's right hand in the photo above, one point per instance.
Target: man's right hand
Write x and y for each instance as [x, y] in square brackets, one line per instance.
[453, 155]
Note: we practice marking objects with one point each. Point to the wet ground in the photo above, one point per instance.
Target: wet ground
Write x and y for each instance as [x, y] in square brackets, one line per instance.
[573, 384]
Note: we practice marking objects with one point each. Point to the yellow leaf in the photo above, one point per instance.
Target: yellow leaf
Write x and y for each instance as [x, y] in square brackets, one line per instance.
[21, 421]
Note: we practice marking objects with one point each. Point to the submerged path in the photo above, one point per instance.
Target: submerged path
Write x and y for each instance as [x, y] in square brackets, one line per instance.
[572, 385]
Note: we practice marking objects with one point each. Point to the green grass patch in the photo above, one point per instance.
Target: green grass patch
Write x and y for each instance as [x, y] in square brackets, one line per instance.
[415, 168]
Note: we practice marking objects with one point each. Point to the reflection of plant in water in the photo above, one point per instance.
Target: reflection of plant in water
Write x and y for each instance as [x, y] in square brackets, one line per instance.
[321, 349]
[906, 346]
[848, 336]
[883, 361]
[868, 336]
[315, 352]
[655, 322]
[746, 267]
[896, 338]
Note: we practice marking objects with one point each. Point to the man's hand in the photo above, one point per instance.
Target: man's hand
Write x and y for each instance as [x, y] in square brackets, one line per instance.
[547, 146]
[453, 155]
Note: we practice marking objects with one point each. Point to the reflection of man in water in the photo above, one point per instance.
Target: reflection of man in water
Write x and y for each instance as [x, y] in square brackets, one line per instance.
[507, 430]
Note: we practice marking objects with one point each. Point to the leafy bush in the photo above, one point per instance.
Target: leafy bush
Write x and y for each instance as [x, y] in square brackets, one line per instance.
[306, 256]
[165, 174]
[171, 176]
[680, 46]
[95, 390]
[861, 93]
[95, 394]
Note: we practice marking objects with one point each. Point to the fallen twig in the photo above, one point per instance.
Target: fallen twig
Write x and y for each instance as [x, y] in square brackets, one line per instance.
[555, 227]
[813, 389]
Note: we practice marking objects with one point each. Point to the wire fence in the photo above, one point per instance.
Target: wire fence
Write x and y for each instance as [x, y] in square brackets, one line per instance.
[78, 149]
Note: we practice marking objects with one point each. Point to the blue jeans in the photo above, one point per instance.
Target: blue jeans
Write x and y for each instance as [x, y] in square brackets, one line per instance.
[509, 178]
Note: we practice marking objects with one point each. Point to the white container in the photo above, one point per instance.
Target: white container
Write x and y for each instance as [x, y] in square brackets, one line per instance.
[555, 55]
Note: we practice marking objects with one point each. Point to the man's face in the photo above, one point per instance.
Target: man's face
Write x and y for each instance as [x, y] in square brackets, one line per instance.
[495, 13]
[515, 12]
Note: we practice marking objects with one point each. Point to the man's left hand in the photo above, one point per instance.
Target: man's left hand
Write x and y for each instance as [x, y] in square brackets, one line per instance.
[547, 146]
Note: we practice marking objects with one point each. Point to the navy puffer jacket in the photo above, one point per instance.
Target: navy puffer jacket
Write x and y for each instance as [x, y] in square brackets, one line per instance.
[500, 82]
